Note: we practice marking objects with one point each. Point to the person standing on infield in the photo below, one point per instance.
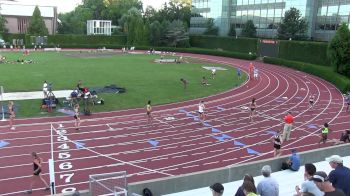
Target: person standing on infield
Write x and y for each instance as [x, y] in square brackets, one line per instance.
[37, 161]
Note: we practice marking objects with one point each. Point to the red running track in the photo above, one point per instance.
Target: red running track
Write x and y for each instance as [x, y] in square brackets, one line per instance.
[119, 141]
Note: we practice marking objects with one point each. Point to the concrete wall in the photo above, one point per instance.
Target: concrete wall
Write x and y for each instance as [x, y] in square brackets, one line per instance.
[227, 174]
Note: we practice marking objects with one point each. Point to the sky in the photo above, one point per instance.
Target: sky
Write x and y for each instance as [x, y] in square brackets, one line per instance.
[68, 5]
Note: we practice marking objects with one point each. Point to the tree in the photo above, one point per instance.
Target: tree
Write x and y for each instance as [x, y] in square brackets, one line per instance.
[177, 34]
[339, 49]
[211, 28]
[292, 26]
[3, 22]
[249, 29]
[37, 25]
[232, 31]
[155, 33]
[133, 26]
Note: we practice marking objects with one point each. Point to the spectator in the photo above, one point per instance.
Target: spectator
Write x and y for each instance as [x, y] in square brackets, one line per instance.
[308, 186]
[249, 188]
[344, 137]
[321, 180]
[289, 120]
[249, 178]
[293, 163]
[217, 189]
[340, 176]
[268, 186]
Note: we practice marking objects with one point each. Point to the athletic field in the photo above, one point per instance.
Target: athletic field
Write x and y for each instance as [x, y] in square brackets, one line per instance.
[143, 78]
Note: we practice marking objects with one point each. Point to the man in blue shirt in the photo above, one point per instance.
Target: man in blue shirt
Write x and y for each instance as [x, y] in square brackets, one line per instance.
[267, 186]
[293, 163]
[340, 176]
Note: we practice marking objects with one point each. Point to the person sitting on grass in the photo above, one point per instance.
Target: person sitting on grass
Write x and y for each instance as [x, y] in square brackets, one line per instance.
[205, 81]
[184, 82]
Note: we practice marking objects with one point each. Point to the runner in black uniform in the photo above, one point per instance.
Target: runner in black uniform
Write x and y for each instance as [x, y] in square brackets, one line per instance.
[36, 174]
[252, 109]
[277, 142]
[12, 114]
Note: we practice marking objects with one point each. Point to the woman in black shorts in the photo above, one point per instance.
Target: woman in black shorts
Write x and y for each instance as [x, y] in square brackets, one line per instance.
[36, 173]
[277, 142]
[252, 109]
[311, 101]
[149, 112]
[76, 117]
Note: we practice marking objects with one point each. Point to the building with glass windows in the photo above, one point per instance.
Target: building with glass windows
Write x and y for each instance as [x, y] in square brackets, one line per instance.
[323, 16]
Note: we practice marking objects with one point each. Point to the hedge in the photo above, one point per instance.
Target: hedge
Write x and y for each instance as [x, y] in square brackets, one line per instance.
[309, 52]
[95, 41]
[327, 73]
[241, 45]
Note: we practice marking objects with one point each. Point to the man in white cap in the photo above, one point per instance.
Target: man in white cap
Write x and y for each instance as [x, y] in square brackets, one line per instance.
[322, 182]
[267, 186]
[340, 176]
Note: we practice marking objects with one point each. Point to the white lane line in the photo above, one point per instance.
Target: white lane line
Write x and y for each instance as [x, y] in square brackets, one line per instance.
[210, 163]
[185, 167]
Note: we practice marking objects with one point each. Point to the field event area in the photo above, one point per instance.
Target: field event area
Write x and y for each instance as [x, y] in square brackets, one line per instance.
[144, 77]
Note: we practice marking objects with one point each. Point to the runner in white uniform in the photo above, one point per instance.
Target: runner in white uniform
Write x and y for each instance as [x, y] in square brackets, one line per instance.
[201, 108]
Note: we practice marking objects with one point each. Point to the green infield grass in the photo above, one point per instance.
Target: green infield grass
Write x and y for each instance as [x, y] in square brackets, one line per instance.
[143, 79]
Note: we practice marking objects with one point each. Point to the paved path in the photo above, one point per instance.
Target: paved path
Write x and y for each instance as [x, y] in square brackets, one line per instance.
[33, 95]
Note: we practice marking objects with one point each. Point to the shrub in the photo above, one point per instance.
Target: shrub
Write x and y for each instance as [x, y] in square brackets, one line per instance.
[327, 73]
[241, 45]
[309, 52]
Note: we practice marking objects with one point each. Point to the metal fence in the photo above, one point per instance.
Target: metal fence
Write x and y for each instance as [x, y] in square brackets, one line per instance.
[114, 184]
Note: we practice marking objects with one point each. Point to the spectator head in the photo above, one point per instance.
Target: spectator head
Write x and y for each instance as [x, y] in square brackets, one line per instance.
[321, 180]
[310, 170]
[217, 189]
[348, 132]
[326, 125]
[266, 171]
[334, 160]
[294, 151]
[249, 178]
[248, 187]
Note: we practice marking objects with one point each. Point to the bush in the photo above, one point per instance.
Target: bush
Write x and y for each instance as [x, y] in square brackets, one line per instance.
[327, 73]
[241, 45]
[94, 41]
[309, 52]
